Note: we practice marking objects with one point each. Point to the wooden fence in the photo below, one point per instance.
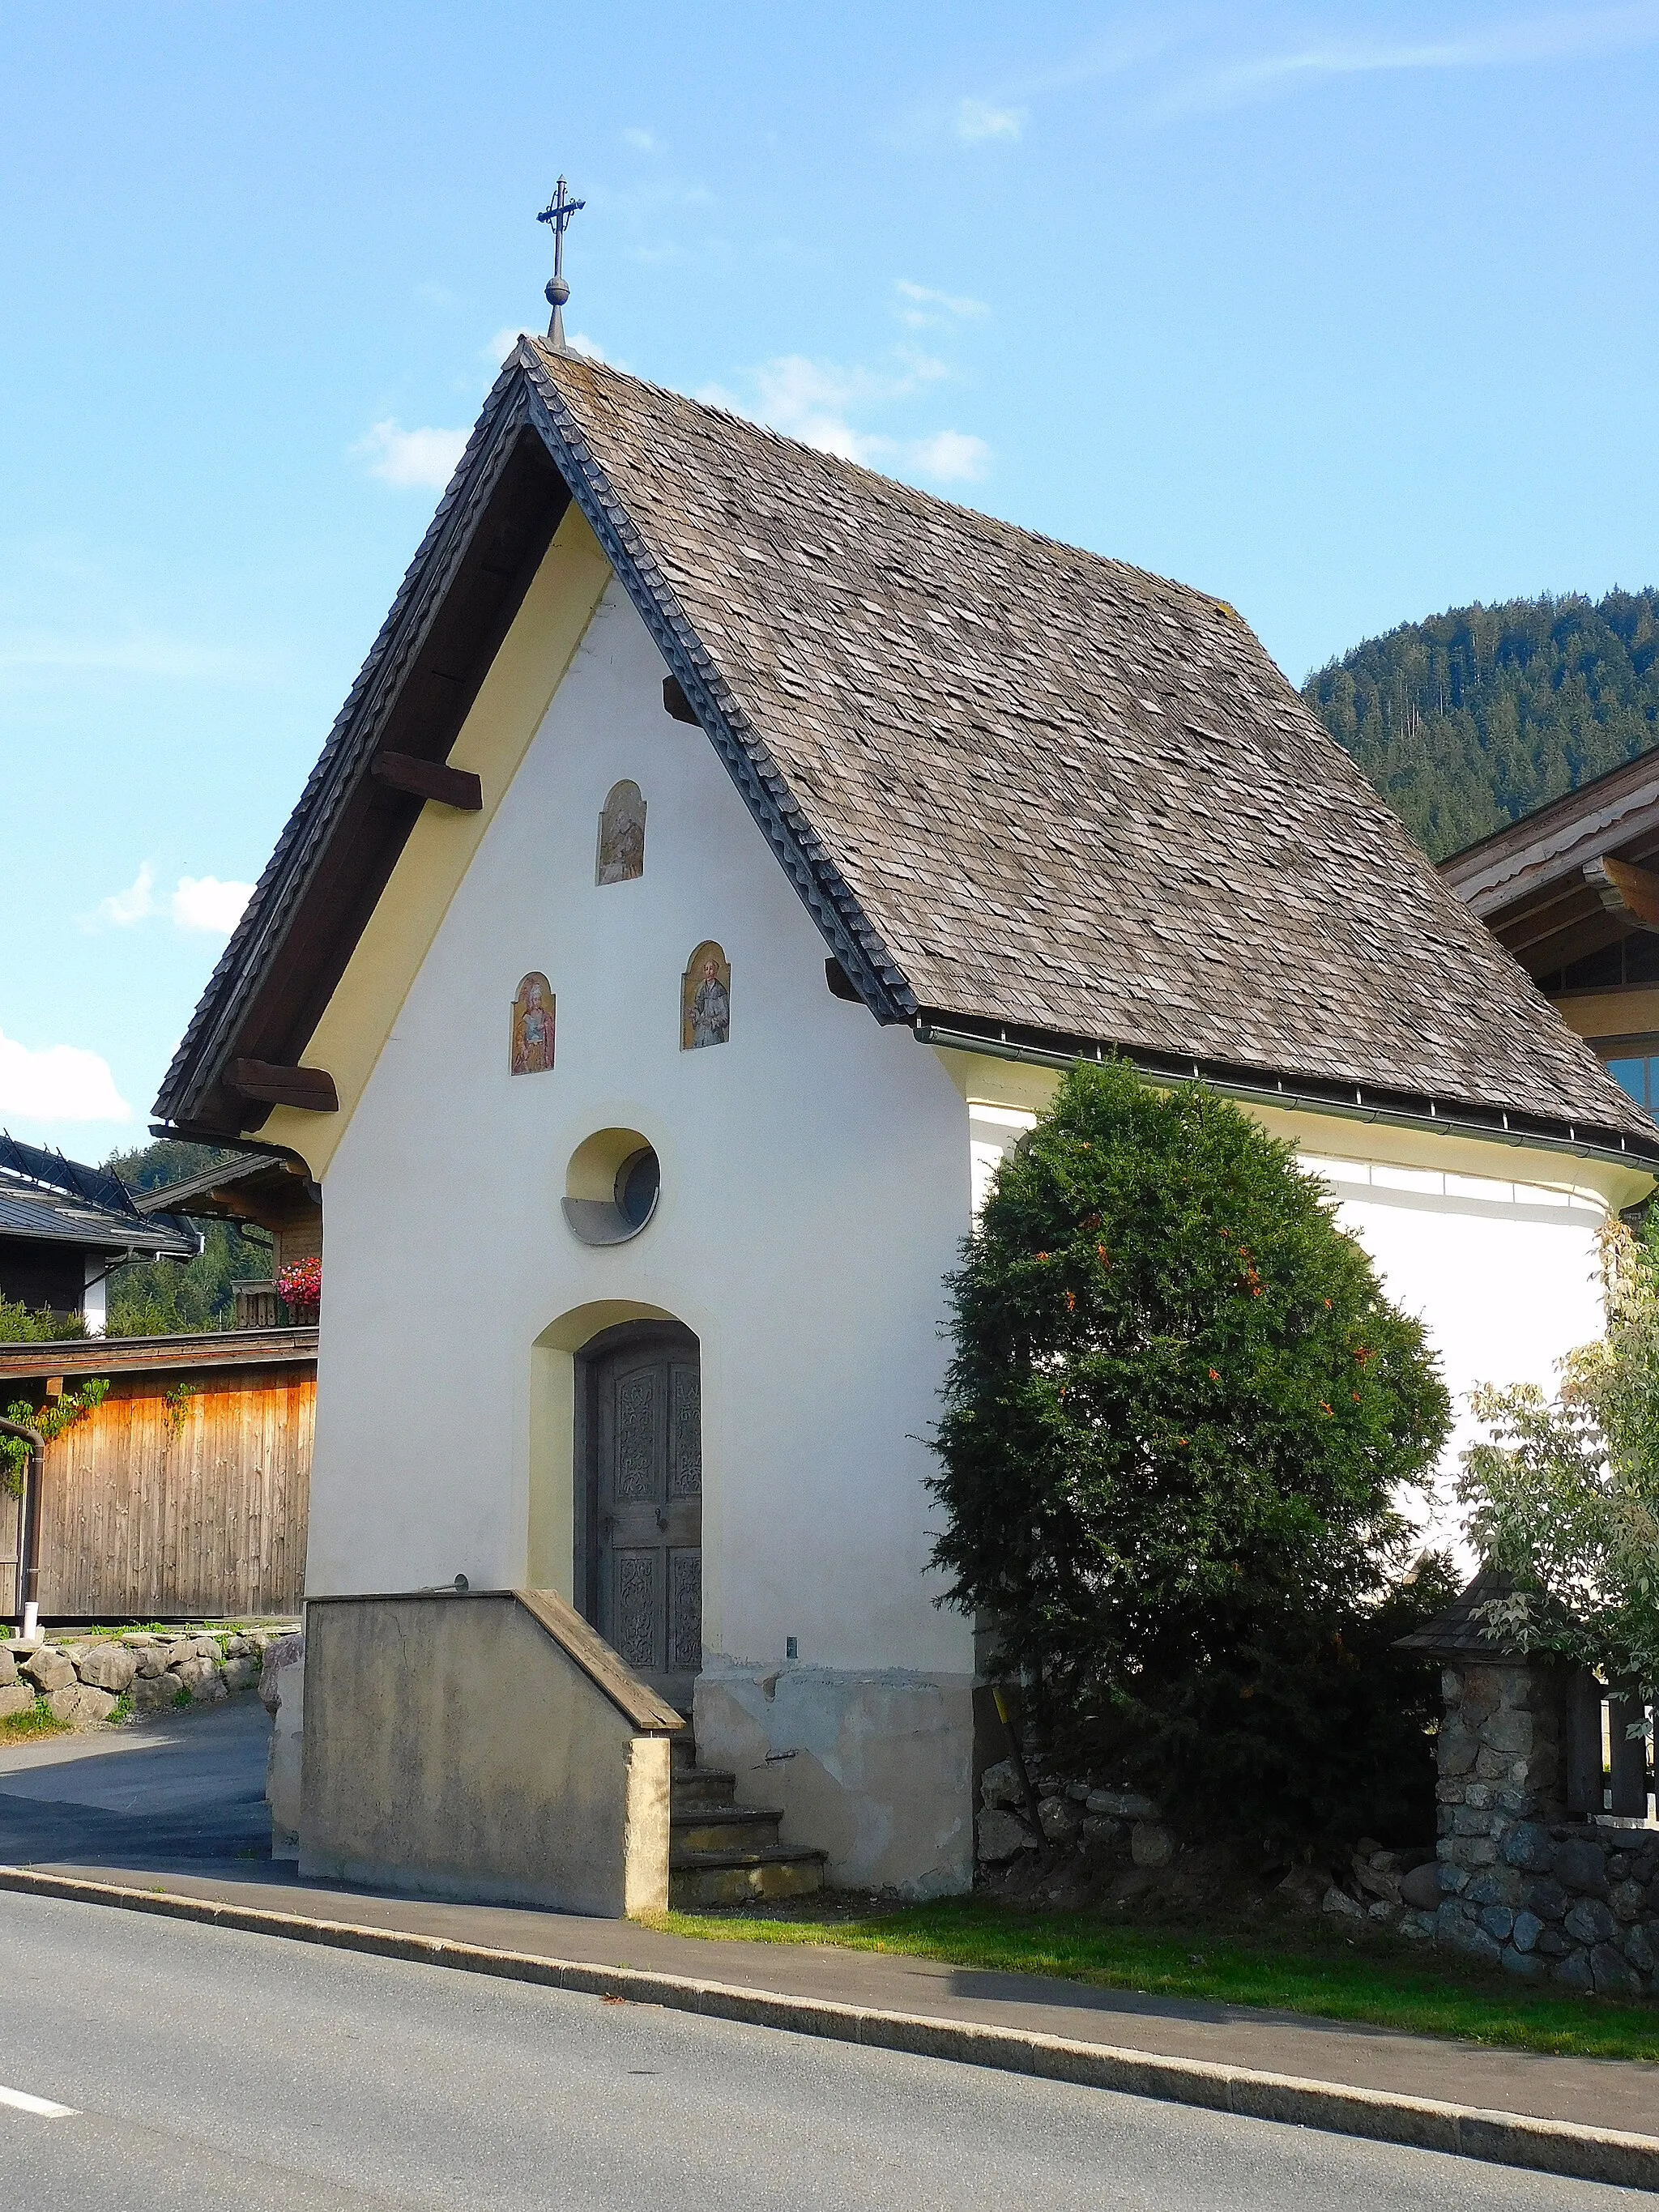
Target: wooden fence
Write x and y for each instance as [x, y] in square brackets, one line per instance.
[166, 1503]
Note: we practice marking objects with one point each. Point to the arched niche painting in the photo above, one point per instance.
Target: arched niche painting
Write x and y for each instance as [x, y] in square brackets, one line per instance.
[706, 999]
[622, 836]
[533, 1007]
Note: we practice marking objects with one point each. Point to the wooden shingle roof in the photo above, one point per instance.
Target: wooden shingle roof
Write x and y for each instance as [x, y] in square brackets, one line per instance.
[1021, 787]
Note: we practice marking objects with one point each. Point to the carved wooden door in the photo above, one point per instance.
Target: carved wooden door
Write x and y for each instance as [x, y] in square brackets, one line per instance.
[645, 1413]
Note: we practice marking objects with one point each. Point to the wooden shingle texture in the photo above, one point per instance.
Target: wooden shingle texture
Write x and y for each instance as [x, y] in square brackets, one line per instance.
[1068, 796]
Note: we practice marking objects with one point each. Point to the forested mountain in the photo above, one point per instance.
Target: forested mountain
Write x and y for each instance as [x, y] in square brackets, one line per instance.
[1474, 718]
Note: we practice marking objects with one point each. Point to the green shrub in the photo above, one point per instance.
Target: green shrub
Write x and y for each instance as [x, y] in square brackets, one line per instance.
[1177, 1415]
[19, 1326]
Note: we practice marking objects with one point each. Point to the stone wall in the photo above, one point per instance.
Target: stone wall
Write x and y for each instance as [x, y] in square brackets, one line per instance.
[1573, 1902]
[82, 1681]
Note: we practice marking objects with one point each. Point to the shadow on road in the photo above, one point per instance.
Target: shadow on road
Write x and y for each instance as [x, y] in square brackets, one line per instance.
[179, 1793]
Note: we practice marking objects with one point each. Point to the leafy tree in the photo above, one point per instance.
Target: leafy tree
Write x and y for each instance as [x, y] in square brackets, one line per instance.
[1480, 715]
[18, 1325]
[1565, 1491]
[1177, 1415]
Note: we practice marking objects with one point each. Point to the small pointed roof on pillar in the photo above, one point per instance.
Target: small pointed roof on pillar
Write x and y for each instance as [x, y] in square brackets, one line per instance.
[556, 215]
[1457, 1634]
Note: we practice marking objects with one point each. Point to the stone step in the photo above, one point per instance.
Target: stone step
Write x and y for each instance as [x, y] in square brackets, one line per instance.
[682, 1752]
[698, 1786]
[724, 1828]
[698, 1879]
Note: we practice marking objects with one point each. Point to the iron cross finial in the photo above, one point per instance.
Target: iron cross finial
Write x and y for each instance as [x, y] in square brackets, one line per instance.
[557, 214]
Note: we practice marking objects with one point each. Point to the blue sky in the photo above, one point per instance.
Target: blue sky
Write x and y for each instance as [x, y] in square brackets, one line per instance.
[1347, 313]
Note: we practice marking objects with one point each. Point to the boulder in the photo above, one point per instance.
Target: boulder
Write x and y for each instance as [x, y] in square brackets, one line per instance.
[203, 1678]
[1639, 1949]
[1526, 1963]
[1527, 1930]
[14, 1697]
[80, 1707]
[1000, 1836]
[153, 1693]
[1589, 1922]
[1099, 1830]
[1582, 1866]
[1420, 1888]
[238, 1647]
[48, 1669]
[1058, 1819]
[1498, 1922]
[152, 1659]
[1150, 1844]
[242, 1672]
[1338, 1903]
[1529, 1848]
[106, 1666]
[8, 1668]
[1574, 1972]
[1122, 1804]
[1612, 1974]
[1628, 1899]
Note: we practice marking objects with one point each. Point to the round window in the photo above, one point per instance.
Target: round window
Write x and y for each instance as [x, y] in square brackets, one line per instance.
[612, 1186]
[639, 1179]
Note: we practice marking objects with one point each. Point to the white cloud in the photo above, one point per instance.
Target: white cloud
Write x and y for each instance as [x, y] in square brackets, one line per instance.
[925, 309]
[950, 457]
[435, 295]
[978, 120]
[642, 142]
[202, 902]
[410, 459]
[815, 401]
[195, 902]
[1576, 33]
[123, 907]
[578, 342]
[57, 1083]
[506, 339]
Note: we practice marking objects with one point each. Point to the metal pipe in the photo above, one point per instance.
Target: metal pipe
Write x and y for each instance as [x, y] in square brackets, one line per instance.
[28, 1566]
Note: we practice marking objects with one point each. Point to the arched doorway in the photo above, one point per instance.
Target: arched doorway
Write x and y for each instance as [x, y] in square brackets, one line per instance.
[639, 1540]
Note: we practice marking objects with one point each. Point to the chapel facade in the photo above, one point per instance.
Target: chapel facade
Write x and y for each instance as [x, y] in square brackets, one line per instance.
[720, 857]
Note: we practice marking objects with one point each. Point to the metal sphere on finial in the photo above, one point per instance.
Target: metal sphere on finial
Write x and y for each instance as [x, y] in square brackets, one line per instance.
[558, 291]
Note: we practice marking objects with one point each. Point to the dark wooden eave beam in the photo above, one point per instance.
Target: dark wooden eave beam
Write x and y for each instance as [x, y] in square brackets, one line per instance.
[1629, 891]
[311, 1089]
[425, 779]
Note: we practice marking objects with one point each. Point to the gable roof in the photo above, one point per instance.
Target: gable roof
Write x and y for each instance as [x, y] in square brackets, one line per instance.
[1537, 883]
[1027, 793]
[47, 1200]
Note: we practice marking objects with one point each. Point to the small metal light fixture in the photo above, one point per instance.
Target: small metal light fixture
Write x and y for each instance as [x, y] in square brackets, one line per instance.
[462, 1585]
[791, 1647]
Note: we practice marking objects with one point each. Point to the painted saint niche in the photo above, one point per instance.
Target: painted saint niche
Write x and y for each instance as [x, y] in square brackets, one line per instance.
[622, 836]
[533, 1026]
[706, 999]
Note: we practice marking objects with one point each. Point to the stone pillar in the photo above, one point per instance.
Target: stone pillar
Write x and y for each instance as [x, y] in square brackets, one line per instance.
[1501, 1759]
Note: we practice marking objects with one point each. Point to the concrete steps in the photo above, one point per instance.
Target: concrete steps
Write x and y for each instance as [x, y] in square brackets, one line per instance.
[721, 1852]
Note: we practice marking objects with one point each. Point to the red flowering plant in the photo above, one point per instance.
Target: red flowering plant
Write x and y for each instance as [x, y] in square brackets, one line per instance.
[1177, 1420]
[299, 1284]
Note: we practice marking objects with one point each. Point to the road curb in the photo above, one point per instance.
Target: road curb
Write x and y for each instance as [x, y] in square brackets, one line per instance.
[1560, 2147]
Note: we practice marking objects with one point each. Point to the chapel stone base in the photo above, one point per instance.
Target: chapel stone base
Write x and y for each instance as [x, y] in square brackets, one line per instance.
[485, 1747]
[874, 1769]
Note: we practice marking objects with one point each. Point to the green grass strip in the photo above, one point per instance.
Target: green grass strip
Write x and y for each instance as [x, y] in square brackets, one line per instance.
[1287, 1967]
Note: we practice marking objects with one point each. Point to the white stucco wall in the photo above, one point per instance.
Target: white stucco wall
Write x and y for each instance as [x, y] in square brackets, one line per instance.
[1503, 1274]
[816, 1183]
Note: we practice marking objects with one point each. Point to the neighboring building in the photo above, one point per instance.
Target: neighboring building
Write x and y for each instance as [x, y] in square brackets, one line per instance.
[721, 854]
[65, 1227]
[183, 1495]
[1573, 892]
[273, 1195]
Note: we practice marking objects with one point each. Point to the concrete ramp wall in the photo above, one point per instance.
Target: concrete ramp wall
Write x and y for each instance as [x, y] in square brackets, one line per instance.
[486, 1745]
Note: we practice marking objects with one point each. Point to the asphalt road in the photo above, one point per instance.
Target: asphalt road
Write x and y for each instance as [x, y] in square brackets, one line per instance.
[198, 2062]
[180, 1792]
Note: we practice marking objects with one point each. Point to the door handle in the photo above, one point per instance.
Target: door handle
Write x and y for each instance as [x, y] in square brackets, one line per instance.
[662, 1520]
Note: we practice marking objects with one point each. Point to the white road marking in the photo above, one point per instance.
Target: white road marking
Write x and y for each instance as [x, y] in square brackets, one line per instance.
[42, 2108]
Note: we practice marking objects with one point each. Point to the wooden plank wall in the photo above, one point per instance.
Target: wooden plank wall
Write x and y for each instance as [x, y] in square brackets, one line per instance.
[158, 1512]
[11, 1544]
